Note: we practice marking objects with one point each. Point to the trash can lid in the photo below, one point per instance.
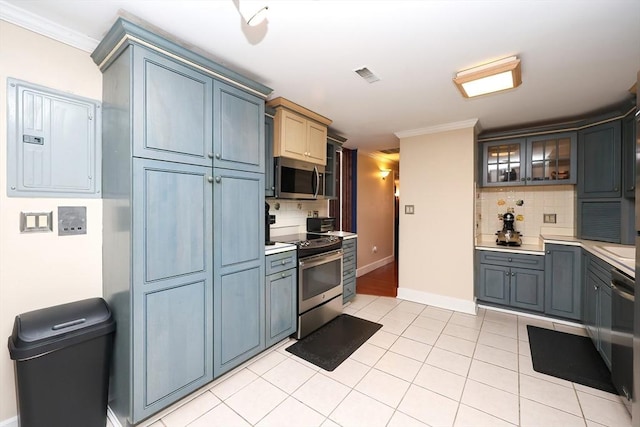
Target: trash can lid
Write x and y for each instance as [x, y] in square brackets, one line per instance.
[42, 331]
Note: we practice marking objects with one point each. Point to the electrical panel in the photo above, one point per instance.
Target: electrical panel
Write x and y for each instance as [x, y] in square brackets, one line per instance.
[54, 143]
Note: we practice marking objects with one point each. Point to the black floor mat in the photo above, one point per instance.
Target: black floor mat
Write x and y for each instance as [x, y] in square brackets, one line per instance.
[333, 343]
[570, 357]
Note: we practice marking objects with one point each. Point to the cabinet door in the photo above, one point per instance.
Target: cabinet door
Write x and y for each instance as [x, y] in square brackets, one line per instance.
[349, 266]
[503, 163]
[172, 283]
[591, 296]
[605, 323]
[494, 284]
[281, 297]
[331, 171]
[269, 166]
[174, 104]
[599, 170]
[563, 290]
[600, 219]
[293, 135]
[527, 289]
[238, 124]
[238, 239]
[551, 159]
[629, 157]
[316, 143]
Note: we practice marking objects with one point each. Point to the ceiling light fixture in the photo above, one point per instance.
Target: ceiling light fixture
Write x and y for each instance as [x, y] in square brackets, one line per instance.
[488, 78]
[253, 12]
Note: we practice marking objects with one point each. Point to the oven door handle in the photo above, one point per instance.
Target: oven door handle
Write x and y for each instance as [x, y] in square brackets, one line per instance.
[321, 259]
[624, 294]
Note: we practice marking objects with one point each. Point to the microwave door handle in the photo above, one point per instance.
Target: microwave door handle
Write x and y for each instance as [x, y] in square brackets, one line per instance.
[317, 182]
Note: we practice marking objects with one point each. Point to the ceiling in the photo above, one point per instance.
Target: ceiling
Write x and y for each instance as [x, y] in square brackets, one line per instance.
[577, 56]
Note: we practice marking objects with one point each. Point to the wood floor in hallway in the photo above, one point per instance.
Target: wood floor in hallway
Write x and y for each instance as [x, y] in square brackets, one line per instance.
[382, 281]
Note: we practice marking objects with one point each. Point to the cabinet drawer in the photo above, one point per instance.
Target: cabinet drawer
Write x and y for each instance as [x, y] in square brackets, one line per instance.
[280, 262]
[535, 262]
[348, 244]
[348, 265]
[600, 268]
[349, 290]
[349, 276]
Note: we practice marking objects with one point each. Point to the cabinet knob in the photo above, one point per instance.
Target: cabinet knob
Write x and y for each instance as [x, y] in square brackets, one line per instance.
[528, 178]
[210, 155]
[510, 259]
[218, 179]
[548, 252]
[283, 275]
[218, 156]
[513, 274]
[595, 287]
[615, 189]
[633, 187]
[283, 262]
[210, 178]
[506, 274]
[522, 179]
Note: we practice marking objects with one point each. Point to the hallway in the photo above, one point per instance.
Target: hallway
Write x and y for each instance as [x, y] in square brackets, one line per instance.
[382, 281]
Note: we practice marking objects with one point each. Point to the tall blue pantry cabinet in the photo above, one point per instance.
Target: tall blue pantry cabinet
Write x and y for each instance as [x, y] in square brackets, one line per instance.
[183, 233]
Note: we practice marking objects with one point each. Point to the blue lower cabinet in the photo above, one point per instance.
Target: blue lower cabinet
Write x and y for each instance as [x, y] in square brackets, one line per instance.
[349, 265]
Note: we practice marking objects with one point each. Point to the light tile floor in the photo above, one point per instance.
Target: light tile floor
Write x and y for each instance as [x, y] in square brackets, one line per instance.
[425, 367]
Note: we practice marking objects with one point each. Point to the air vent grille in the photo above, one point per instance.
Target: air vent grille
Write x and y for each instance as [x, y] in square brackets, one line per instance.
[367, 74]
[391, 151]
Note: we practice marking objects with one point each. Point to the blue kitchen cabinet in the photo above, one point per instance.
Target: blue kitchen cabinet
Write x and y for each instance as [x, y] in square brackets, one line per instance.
[349, 266]
[281, 296]
[239, 271]
[238, 126]
[173, 107]
[515, 280]
[598, 316]
[599, 166]
[563, 285]
[183, 242]
[629, 157]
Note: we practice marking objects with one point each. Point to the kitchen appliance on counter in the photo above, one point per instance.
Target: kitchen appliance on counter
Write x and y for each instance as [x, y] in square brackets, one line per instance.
[320, 224]
[297, 179]
[268, 220]
[319, 279]
[508, 236]
[622, 299]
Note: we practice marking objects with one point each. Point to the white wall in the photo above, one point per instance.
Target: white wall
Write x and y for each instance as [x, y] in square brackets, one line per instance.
[436, 252]
[43, 269]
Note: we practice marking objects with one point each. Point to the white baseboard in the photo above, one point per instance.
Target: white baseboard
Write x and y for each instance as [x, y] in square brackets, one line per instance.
[11, 422]
[436, 300]
[370, 267]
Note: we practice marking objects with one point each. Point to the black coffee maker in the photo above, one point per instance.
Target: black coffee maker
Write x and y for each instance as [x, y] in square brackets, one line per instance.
[508, 236]
[268, 220]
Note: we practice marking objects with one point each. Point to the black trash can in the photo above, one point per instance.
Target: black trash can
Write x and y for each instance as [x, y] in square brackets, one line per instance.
[62, 356]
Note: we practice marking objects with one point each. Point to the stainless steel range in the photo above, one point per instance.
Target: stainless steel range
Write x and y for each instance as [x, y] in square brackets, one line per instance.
[319, 279]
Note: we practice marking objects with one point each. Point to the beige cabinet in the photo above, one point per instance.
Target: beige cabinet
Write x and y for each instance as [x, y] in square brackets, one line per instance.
[299, 133]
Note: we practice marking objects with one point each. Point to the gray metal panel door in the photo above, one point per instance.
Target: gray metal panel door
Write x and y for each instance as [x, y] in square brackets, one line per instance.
[494, 284]
[599, 168]
[172, 283]
[563, 284]
[238, 125]
[269, 165]
[527, 289]
[175, 105]
[281, 297]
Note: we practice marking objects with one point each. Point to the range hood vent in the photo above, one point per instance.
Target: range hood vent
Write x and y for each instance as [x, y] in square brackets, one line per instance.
[367, 74]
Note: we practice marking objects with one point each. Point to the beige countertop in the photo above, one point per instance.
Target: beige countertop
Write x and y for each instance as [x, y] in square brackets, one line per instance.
[621, 257]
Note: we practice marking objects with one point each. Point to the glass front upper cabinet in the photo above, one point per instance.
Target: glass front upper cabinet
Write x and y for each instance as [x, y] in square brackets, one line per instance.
[539, 160]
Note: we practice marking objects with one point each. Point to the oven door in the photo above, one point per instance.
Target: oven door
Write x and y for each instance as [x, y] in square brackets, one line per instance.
[319, 279]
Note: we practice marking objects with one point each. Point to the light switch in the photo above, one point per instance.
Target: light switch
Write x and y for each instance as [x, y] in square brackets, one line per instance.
[31, 222]
[409, 209]
[549, 218]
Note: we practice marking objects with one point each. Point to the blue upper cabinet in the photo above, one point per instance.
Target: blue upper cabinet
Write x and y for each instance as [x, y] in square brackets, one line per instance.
[176, 104]
[238, 124]
[599, 156]
[548, 159]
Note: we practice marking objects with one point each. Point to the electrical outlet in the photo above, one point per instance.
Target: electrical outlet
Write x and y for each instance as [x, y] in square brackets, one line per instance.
[309, 214]
[374, 250]
[409, 209]
[72, 220]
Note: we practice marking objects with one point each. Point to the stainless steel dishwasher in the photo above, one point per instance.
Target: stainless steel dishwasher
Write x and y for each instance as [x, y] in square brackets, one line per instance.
[622, 299]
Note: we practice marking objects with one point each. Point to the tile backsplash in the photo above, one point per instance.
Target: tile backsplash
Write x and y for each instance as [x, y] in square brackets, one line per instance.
[291, 215]
[529, 204]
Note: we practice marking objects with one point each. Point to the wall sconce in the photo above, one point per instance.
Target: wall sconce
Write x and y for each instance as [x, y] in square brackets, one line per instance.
[384, 173]
[488, 78]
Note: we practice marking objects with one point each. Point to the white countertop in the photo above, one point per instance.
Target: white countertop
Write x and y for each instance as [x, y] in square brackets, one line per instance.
[344, 234]
[278, 247]
[599, 249]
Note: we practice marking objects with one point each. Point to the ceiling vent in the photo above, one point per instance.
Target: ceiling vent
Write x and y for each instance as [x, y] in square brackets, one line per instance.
[366, 74]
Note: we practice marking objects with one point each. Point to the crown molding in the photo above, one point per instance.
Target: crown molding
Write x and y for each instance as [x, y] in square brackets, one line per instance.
[465, 124]
[46, 27]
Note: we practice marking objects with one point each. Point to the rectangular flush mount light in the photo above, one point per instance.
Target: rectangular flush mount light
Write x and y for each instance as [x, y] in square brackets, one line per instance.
[492, 77]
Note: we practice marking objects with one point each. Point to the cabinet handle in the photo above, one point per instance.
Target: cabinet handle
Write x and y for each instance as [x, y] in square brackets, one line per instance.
[522, 179]
[210, 179]
[633, 187]
[218, 156]
[528, 178]
[218, 179]
[210, 155]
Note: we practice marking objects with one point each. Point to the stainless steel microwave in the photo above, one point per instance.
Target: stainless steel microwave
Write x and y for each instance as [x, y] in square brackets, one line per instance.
[296, 179]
